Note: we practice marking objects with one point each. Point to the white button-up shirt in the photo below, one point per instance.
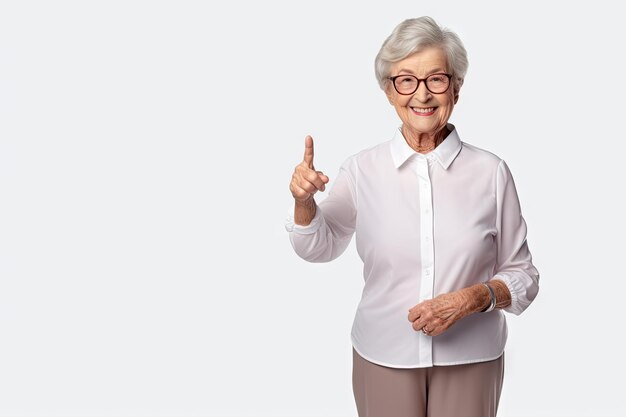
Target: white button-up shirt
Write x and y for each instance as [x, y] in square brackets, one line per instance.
[425, 224]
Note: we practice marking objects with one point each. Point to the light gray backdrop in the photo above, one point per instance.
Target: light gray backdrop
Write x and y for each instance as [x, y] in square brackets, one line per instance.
[145, 153]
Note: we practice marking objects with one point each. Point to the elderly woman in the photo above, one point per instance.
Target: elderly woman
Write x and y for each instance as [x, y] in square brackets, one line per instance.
[439, 229]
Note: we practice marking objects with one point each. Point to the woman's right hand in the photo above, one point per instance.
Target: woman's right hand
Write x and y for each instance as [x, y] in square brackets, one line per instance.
[306, 181]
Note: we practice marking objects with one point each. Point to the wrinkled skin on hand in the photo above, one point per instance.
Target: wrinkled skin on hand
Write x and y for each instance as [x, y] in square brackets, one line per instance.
[440, 313]
[437, 315]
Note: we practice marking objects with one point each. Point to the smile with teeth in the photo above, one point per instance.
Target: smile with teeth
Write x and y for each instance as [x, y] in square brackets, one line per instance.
[426, 110]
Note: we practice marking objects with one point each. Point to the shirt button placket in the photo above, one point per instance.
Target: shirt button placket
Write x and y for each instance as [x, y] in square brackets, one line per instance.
[427, 249]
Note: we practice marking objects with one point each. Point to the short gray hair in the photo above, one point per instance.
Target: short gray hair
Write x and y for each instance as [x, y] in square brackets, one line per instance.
[414, 35]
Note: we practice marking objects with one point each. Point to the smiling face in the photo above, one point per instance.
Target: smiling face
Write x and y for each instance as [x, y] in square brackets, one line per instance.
[423, 113]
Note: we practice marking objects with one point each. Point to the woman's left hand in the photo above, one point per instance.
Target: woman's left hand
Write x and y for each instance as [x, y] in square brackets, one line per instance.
[433, 317]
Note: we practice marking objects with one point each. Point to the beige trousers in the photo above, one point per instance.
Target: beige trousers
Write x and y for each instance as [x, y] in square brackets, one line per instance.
[471, 390]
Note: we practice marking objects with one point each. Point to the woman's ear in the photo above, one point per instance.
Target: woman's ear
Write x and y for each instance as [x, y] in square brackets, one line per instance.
[457, 90]
[389, 94]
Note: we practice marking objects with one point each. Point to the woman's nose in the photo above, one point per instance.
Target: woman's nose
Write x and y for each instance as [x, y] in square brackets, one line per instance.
[422, 93]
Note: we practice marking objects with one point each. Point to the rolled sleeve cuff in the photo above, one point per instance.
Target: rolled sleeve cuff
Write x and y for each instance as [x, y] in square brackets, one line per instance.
[309, 229]
[523, 291]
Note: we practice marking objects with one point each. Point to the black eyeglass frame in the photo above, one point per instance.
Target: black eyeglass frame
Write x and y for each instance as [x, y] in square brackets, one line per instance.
[393, 81]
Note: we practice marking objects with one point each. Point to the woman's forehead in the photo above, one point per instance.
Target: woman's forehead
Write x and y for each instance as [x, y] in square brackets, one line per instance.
[426, 61]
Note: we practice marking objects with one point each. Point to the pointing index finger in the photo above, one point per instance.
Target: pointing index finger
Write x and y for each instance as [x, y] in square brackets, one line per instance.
[308, 151]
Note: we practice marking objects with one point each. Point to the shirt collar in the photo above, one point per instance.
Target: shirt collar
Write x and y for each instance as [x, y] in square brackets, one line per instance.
[444, 153]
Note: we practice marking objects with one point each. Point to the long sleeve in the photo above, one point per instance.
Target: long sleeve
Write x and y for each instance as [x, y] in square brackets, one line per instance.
[330, 231]
[514, 261]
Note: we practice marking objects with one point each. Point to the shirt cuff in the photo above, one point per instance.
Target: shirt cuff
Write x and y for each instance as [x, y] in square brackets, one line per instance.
[309, 229]
[519, 293]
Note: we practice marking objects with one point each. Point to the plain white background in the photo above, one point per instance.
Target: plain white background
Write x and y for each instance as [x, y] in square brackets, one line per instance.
[145, 153]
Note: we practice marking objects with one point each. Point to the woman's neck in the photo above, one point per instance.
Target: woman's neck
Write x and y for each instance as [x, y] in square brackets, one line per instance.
[424, 142]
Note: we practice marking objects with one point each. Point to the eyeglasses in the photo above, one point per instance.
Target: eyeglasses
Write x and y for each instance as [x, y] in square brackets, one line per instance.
[408, 84]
